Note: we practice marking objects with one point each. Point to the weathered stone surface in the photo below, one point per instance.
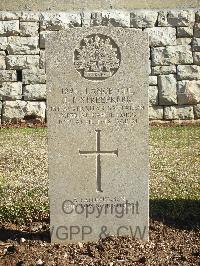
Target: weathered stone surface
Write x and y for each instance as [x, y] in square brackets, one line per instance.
[171, 55]
[42, 39]
[3, 43]
[22, 61]
[124, 175]
[143, 18]
[153, 80]
[22, 45]
[153, 95]
[10, 90]
[6, 15]
[197, 111]
[188, 92]
[29, 16]
[42, 59]
[34, 92]
[184, 32]
[2, 60]
[116, 18]
[33, 76]
[183, 41]
[149, 67]
[8, 75]
[155, 112]
[188, 72]
[0, 110]
[86, 18]
[96, 5]
[196, 45]
[13, 110]
[197, 17]
[167, 90]
[29, 29]
[164, 70]
[196, 58]
[9, 28]
[161, 36]
[176, 18]
[197, 30]
[178, 112]
[97, 19]
[59, 20]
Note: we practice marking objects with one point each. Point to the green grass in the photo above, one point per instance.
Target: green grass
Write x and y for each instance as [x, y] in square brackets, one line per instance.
[174, 175]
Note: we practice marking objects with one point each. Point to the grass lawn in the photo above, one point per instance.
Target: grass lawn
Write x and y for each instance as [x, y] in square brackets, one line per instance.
[174, 176]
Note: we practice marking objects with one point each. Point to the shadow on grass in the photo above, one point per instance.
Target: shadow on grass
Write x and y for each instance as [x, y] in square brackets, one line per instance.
[180, 214]
[6, 234]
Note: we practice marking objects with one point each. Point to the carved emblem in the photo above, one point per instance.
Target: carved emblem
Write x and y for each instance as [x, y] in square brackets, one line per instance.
[97, 58]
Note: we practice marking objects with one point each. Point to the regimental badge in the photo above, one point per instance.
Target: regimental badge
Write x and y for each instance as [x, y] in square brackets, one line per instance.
[97, 58]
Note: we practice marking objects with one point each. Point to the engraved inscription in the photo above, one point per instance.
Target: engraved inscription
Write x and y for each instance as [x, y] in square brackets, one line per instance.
[98, 154]
[96, 106]
[97, 58]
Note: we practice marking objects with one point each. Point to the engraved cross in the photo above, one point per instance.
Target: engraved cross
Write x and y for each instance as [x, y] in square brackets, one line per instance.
[98, 154]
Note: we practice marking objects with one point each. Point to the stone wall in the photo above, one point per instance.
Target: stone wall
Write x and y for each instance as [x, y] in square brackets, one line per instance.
[174, 65]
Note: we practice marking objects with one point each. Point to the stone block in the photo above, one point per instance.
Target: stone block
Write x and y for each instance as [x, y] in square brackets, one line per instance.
[143, 18]
[171, 55]
[6, 15]
[153, 95]
[42, 39]
[184, 32]
[167, 89]
[2, 60]
[197, 111]
[164, 70]
[17, 110]
[29, 29]
[22, 61]
[176, 18]
[22, 45]
[183, 41]
[86, 18]
[116, 18]
[3, 43]
[196, 45]
[33, 76]
[8, 75]
[54, 21]
[34, 92]
[197, 17]
[153, 80]
[161, 36]
[97, 19]
[155, 112]
[42, 59]
[30, 16]
[9, 28]
[178, 112]
[188, 72]
[197, 30]
[10, 90]
[196, 56]
[188, 92]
